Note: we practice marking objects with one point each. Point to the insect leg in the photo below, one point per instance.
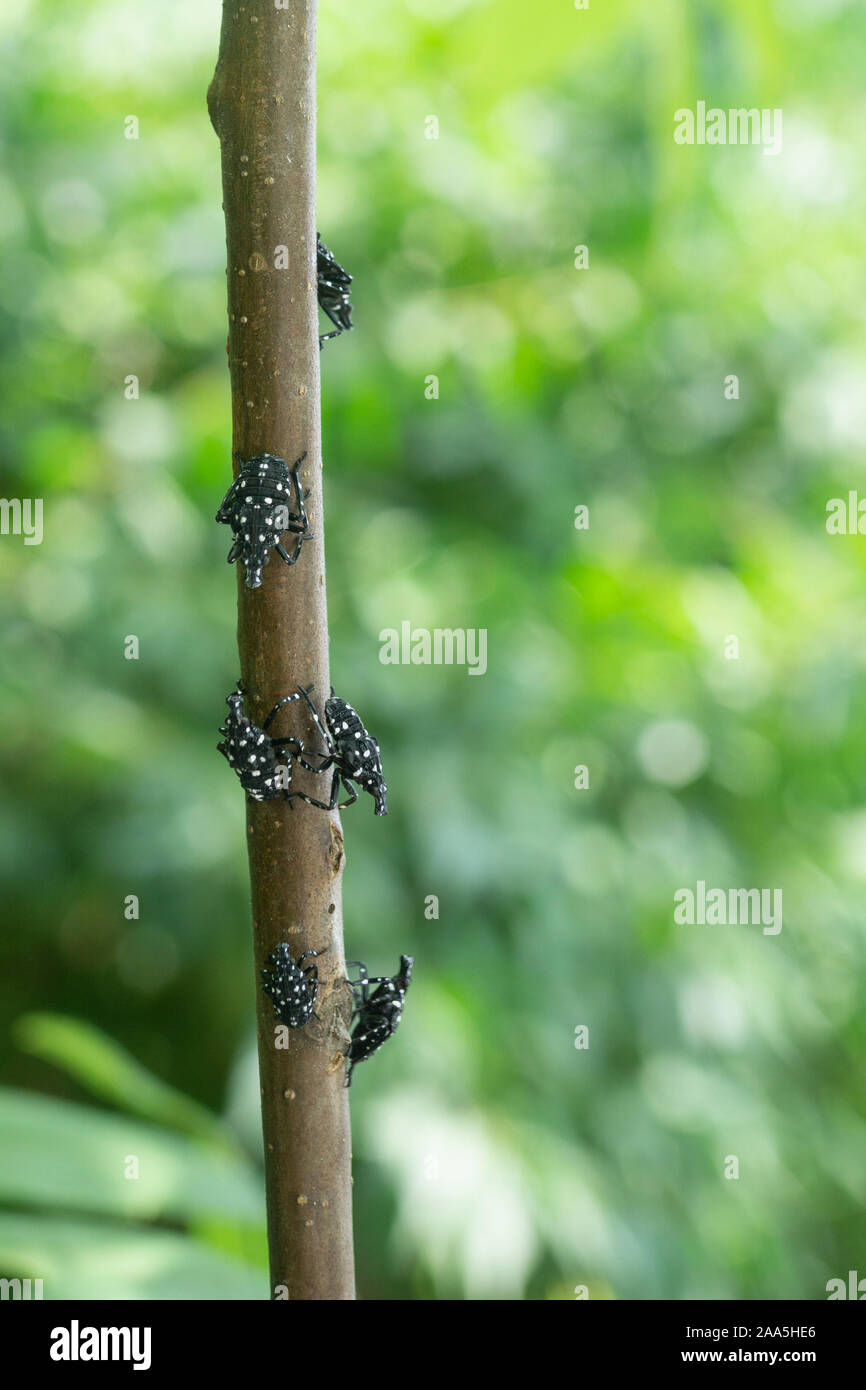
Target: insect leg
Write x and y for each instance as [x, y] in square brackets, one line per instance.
[297, 750]
[338, 326]
[364, 986]
[323, 805]
[323, 766]
[221, 515]
[293, 558]
[361, 984]
[326, 737]
[286, 700]
[323, 952]
[353, 795]
[301, 495]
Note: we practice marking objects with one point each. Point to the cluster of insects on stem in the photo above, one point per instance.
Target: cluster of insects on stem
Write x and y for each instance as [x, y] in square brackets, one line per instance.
[293, 986]
[264, 763]
[264, 505]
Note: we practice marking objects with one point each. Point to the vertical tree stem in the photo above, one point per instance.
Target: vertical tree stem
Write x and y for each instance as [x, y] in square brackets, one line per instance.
[262, 105]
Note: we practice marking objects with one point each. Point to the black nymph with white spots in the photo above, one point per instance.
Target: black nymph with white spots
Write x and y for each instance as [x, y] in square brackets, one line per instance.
[291, 985]
[263, 764]
[376, 1015]
[257, 507]
[333, 291]
[350, 750]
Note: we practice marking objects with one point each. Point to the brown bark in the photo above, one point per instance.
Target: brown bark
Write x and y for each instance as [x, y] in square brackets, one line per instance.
[262, 105]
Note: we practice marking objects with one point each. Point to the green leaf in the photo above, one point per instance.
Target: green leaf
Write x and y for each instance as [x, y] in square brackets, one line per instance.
[108, 1071]
[86, 1259]
[55, 1153]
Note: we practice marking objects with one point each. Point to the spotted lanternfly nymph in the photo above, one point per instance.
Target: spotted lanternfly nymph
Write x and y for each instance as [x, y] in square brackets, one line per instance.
[334, 284]
[351, 751]
[254, 754]
[291, 985]
[376, 1016]
[257, 507]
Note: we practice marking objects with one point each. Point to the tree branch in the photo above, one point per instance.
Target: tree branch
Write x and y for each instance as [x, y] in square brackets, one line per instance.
[262, 105]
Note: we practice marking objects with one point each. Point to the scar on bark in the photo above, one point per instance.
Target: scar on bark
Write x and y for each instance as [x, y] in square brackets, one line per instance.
[335, 851]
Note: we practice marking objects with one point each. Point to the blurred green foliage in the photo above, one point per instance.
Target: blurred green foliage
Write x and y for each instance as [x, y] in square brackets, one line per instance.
[493, 1158]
